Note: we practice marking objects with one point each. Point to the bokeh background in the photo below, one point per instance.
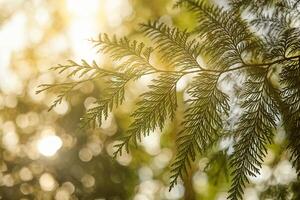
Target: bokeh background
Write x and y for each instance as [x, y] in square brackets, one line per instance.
[43, 154]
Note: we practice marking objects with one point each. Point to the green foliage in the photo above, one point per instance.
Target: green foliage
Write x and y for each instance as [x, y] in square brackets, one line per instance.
[201, 124]
[229, 44]
[259, 6]
[114, 96]
[254, 131]
[225, 35]
[290, 78]
[133, 57]
[155, 107]
[176, 47]
[286, 43]
[61, 89]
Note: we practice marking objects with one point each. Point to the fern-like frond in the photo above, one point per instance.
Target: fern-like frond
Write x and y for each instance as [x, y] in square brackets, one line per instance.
[271, 15]
[259, 6]
[156, 106]
[286, 44]
[116, 84]
[61, 89]
[131, 55]
[113, 96]
[271, 23]
[201, 123]
[226, 35]
[290, 79]
[75, 69]
[254, 131]
[177, 47]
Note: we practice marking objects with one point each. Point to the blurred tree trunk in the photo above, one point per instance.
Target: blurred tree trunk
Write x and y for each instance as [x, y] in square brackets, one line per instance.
[189, 193]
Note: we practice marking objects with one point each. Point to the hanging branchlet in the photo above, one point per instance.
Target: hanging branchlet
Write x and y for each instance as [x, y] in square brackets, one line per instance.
[201, 125]
[254, 131]
[290, 79]
[156, 106]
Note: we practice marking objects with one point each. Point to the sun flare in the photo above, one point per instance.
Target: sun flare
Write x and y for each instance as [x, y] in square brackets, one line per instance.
[49, 145]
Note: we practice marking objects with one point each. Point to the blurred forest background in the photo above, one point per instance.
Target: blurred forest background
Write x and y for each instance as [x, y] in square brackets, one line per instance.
[43, 154]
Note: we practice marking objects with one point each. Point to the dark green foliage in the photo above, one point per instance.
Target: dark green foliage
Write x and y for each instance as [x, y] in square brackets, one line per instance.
[286, 44]
[175, 46]
[291, 95]
[114, 96]
[225, 35]
[259, 6]
[133, 57]
[295, 190]
[153, 110]
[201, 123]
[256, 48]
[254, 131]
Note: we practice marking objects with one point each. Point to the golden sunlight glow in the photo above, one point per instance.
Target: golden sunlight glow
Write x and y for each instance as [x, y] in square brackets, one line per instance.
[49, 145]
[83, 26]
